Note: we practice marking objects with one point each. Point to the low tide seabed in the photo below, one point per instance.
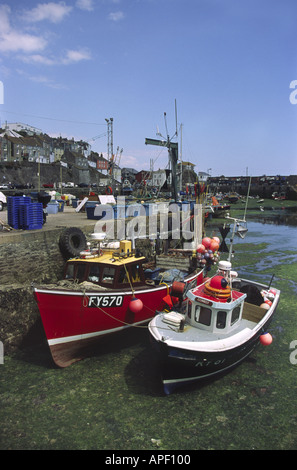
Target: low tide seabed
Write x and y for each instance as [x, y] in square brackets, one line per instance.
[114, 400]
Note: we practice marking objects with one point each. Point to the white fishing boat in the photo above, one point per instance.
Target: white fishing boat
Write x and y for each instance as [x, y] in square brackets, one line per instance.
[217, 325]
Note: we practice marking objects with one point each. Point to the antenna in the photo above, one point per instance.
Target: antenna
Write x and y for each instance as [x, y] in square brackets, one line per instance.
[176, 119]
[166, 126]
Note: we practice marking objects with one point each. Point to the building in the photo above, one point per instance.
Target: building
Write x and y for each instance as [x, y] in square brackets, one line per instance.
[129, 174]
[15, 147]
[186, 173]
[21, 127]
[102, 163]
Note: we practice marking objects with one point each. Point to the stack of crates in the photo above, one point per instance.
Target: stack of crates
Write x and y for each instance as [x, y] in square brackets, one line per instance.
[13, 209]
[31, 216]
[23, 214]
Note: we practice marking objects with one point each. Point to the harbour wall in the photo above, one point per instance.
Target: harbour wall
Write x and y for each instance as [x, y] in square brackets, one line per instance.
[26, 257]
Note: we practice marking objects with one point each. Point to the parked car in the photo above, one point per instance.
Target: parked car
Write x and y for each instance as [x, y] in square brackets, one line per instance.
[48, 185]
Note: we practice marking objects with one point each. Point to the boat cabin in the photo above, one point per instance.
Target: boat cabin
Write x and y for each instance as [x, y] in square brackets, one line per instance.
[214, 315]
[108, 268]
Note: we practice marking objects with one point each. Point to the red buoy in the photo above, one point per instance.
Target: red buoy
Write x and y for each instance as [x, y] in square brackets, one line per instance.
[266, 339]
[200, 248]
[206, 242]
[135, 305]
[218, 282]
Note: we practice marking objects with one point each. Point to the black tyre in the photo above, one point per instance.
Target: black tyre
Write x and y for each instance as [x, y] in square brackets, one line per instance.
[72, 241]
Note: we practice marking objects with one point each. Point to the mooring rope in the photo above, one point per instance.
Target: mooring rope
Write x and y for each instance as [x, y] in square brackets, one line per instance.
[85, 302]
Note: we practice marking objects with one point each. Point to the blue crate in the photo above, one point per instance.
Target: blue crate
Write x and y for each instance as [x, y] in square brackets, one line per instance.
[52, 207]
[13, 205]
[34, 226]
[23, 214]
[30, 216]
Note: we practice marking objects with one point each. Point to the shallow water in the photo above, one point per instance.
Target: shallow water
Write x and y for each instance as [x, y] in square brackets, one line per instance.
[114, 401]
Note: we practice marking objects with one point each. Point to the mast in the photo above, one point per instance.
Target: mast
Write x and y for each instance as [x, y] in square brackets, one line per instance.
[172, 152]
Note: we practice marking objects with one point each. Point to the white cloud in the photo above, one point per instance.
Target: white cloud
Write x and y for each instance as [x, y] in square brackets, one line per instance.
[73, 56]
[116, 16]
[14, 40]
[44, 80]
[31, 46]
[53, 12]
[70, 57]
[4, 19]
[85, 5]
[38, 59]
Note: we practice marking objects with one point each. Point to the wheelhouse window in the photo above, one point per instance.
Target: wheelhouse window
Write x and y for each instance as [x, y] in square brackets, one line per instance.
[108, 275]
[94, 273]
[75, 271]
[135, 273]
[235, 315]
[81, 272]
[203, 315]
[130, 274]
[123, 277]
[69, 274]
[221, 319]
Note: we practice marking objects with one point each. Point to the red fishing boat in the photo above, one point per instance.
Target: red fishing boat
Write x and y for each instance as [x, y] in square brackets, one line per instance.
[105, 290]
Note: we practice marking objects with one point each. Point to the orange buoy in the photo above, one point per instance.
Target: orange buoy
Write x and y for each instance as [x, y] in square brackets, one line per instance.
[217, 287]
[214, 245]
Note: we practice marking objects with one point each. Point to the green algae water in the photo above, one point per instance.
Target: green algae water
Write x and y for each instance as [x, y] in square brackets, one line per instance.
[113, 401]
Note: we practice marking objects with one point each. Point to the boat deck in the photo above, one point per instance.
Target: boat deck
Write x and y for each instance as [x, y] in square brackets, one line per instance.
[208, 341]
[199, 291]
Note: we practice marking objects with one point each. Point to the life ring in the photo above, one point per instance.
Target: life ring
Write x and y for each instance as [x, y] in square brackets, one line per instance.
[108, 190]
[72, 241]
[217, 287]
[219, 293]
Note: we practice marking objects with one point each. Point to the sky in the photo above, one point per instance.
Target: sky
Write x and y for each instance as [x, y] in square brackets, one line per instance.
[229, 67]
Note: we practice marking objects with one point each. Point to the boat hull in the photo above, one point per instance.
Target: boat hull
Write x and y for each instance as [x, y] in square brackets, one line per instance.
[74, 320]
[180, 366]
